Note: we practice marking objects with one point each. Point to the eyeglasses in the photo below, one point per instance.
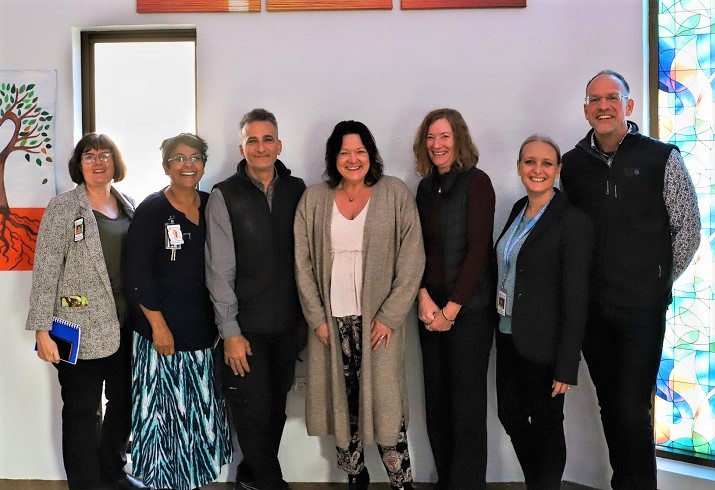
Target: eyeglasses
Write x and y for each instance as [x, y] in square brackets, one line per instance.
[91, 157]
[180, 159]
[610, 98]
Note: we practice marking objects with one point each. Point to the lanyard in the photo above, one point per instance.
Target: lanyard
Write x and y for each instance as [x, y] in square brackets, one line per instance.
[511, 242]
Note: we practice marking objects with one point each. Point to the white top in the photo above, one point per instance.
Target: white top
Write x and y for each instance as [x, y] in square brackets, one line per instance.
[346, 276]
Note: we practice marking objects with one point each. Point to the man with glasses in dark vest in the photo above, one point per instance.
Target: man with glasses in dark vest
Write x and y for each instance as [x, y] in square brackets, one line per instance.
[644, 208]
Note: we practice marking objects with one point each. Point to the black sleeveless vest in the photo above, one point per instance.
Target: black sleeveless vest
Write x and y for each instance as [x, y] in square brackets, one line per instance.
[263, 240]
[633, 257]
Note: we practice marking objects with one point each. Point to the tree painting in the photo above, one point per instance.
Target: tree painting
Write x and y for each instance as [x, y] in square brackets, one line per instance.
[25, 130]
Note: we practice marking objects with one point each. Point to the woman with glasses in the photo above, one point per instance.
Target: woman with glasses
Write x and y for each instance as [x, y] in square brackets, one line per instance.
[76, 278]
[544, 258]
[456, 205]
[180, 427]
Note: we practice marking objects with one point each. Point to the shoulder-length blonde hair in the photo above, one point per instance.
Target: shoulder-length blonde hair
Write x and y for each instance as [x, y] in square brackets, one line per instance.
[466, 152]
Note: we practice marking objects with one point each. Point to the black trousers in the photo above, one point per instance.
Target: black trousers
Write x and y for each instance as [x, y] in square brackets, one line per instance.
[258, 404]
[455, 367]
[622, 348]
[94, 450]
[531, 417]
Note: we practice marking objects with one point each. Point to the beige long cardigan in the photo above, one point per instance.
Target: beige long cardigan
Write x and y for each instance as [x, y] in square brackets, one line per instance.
[393, 263]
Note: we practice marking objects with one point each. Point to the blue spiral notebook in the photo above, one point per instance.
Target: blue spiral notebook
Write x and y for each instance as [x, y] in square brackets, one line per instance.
[67, 335]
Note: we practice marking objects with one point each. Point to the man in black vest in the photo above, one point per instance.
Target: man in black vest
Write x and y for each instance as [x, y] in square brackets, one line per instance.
[249, 272]
[644, 208]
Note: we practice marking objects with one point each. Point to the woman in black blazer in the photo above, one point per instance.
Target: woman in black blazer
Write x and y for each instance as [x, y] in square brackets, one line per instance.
[544, 256]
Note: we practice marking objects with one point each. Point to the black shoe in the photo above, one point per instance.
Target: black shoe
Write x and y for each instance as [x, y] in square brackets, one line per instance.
[246, 485]
[405, 486]
[359, 481]
[244, 478]
[128, 482]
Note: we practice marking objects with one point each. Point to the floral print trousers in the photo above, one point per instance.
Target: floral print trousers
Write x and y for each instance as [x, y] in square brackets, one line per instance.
[351, 460]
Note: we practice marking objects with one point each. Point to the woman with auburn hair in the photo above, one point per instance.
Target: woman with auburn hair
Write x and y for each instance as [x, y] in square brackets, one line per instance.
[455, 300]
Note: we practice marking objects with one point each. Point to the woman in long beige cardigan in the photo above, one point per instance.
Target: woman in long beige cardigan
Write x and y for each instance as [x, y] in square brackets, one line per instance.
[359, 262]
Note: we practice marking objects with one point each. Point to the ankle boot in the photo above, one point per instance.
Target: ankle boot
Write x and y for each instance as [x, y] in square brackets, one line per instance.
[359, 481]
[405, 486]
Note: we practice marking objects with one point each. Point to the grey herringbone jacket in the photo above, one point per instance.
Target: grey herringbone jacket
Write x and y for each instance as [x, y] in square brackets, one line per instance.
[65, 267]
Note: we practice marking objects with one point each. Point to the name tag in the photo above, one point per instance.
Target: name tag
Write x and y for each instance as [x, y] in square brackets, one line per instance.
[78, 229]
[501, 302]
[174, 236]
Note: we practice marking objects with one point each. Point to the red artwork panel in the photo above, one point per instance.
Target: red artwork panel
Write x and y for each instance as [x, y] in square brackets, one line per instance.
[284, 5]
[22, 223]
[460, 4]
[153, 6]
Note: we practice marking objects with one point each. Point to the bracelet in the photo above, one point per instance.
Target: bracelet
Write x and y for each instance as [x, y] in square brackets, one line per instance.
[451, 322]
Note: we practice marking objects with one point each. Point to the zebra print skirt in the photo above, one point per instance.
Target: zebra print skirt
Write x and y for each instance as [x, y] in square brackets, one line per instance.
[180, 427]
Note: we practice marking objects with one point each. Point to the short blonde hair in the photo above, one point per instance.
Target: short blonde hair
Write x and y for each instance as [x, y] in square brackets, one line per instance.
[543, 139]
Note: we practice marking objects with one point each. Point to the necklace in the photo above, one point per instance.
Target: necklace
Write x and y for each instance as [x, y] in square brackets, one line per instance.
[350, 198]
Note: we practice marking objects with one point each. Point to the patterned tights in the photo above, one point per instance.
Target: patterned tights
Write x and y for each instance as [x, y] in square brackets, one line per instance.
[396, 459]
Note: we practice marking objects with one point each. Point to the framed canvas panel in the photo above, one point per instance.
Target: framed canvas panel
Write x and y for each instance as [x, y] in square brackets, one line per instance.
[460, 4]
[285, 5]
[154, 6]
[27, 166]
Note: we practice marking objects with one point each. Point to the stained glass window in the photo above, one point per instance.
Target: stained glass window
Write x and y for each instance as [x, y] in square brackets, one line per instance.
[685, 388]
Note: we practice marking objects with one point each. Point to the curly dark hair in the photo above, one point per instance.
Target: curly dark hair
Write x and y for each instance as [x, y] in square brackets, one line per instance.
[334, 144]
[95, 141]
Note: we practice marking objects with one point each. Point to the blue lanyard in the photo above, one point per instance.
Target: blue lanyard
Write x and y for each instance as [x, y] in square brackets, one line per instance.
[511, 242]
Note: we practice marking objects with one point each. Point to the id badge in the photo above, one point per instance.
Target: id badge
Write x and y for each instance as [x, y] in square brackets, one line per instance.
[174, 237]
[79, 229]
[501, 302]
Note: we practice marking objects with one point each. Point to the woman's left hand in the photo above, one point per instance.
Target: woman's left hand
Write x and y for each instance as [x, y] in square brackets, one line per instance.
[379, 332]
[440, 323]
[559, 388]
[46, 347]
[162, 338]
[445, 317]
[323, 334]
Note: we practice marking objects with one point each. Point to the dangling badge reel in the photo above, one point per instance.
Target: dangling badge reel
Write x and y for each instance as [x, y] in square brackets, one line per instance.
[173, 237]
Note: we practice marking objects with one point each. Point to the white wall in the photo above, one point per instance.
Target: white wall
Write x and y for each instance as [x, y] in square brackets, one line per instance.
[511, 72]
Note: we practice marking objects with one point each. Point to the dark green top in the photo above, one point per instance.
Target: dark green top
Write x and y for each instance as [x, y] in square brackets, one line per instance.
[111, 234]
